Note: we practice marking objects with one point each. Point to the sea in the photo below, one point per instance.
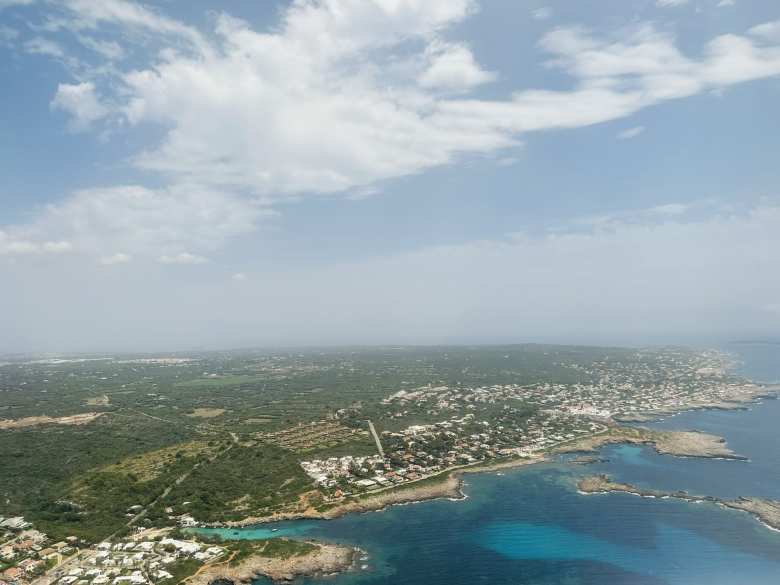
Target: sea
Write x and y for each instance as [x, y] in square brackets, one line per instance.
[531, 526]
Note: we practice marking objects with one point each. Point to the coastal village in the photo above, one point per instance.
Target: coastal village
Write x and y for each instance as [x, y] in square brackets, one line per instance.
[491, 422]
[149, 557]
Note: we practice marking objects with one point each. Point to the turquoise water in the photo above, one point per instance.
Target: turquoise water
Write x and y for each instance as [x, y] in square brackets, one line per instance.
[530, 526]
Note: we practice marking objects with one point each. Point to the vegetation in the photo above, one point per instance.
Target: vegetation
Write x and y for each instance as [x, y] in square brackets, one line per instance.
[245, 479]
[84, 480]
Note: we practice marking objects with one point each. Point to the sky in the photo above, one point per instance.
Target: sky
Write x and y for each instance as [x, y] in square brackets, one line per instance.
[246, 173]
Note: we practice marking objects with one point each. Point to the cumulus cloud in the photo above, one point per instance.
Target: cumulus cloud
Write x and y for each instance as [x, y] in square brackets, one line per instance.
[340, 96]
[141, 222]
[453, 67]
[344, 94]
[81, 102]
[769, 31]
[371, 126]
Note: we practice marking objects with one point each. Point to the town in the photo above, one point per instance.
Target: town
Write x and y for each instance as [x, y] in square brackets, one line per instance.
[511, 420]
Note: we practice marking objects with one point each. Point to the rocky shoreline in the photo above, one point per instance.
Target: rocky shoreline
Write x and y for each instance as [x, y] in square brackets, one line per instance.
[445, 485]
[742, 398]
[766, 511]
[677, 443]
[448, 483]
[325, 559]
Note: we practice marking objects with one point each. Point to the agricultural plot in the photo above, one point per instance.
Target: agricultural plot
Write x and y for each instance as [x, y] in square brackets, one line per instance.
[309, 436]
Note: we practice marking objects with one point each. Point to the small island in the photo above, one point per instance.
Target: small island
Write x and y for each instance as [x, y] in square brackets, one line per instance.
[766, 511]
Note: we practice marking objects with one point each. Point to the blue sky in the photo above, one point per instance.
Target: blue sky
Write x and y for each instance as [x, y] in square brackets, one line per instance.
[205, 174]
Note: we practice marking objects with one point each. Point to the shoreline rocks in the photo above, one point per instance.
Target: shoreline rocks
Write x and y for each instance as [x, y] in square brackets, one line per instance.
[677, 443]
[445, 485]
[765, 511]
[326, 559]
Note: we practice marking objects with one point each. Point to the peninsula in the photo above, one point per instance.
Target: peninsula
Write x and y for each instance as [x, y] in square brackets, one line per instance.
[766, 511]
[307, 558]
[676, 443]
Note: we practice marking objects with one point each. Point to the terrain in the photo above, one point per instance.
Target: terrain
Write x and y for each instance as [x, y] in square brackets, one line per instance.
[96, 448]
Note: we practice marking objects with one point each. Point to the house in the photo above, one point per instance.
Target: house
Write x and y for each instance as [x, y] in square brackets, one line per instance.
[15, 523]
[7, 552]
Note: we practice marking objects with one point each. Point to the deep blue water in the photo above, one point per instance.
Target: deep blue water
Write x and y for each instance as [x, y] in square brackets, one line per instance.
[530, 526]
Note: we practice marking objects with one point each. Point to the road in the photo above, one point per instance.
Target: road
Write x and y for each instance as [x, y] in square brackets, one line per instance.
[376, 439]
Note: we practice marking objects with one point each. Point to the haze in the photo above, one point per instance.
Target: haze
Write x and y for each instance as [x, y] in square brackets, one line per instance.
[317, 172]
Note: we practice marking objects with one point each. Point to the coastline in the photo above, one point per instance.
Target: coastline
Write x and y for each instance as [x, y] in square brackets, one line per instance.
[446, 484]
[325, 559]
[676, 443]
[767, 512]
[744, 396]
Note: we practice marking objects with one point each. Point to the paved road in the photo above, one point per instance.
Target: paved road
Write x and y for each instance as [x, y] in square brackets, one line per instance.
[376, 439]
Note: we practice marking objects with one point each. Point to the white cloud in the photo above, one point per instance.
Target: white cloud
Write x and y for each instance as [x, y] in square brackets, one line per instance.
[453, 67]
[141, 222]
[81, 102]
[769, 31]
[374, 121]
[239, 276]
[118, 258]
[182, 258]
[342, 95]
[668, 3]
[630, 132]
[724, 3]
